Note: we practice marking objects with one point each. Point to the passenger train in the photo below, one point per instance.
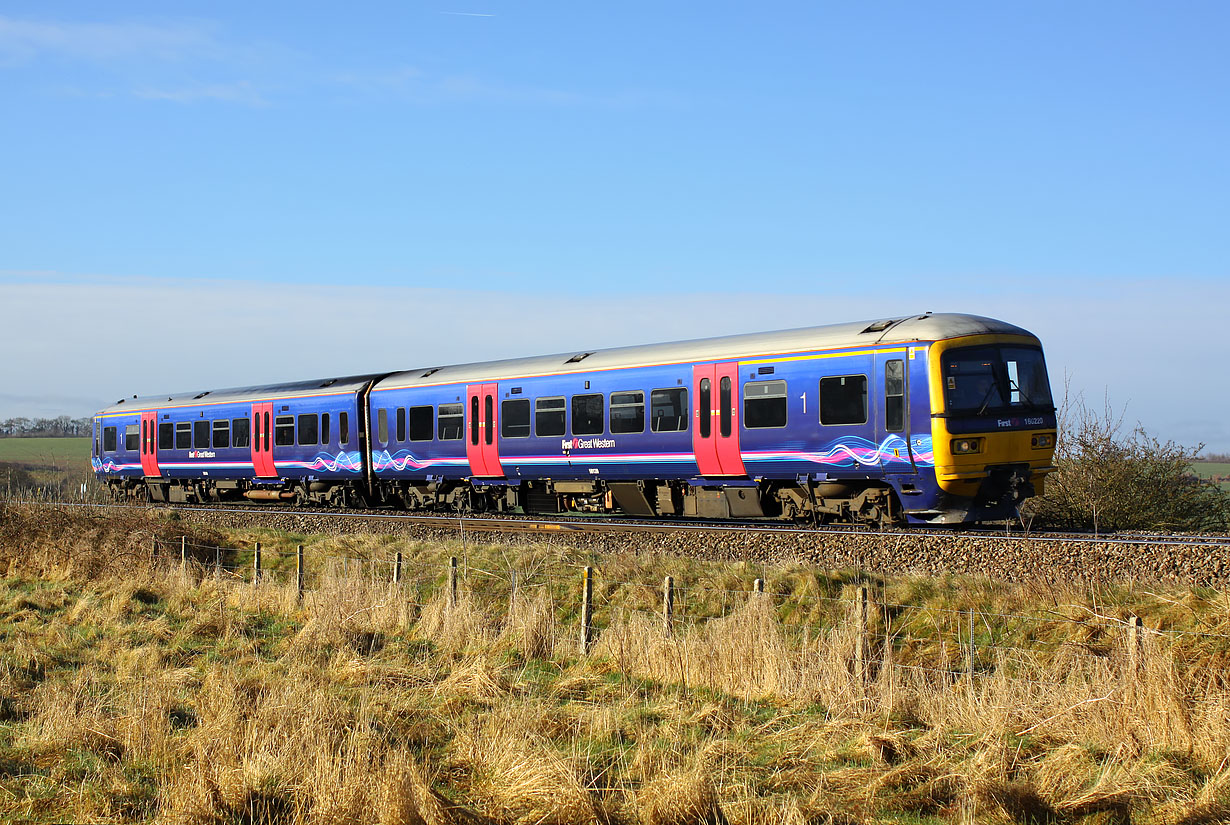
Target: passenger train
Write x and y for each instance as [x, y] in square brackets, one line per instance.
[927, 419]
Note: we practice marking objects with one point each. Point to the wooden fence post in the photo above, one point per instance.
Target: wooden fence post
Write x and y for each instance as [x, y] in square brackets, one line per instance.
[299, 572]
[512, 592]
[970, 663]
[183, 554]
[256, 565]
[452, 581]
[758, 585]
[397, 568]
[668, 606]
[860, 634]
[1135, 644]
[587, 608]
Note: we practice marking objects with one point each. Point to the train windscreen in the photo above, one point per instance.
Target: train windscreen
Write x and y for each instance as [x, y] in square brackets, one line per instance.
[992, 379]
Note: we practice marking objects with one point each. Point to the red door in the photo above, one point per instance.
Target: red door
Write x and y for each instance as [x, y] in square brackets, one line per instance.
[262, 440]
[149, 444]
[482, 435]
[715, 426]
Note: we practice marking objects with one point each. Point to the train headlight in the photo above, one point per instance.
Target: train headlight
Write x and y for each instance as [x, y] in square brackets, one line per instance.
[966, 446]
[1042, 441]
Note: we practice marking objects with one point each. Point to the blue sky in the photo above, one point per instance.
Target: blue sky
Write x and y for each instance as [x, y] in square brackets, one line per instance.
[487, 179]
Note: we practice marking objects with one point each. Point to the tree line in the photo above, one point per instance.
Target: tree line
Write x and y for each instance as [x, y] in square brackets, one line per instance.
[60, 427]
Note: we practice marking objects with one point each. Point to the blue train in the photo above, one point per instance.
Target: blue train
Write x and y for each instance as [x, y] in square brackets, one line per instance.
[928, 419]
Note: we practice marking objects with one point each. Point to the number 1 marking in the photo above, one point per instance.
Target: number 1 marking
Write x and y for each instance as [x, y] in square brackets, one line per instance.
[804, 397]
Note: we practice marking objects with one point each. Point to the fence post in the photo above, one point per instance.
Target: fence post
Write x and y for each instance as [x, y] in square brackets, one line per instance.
[758, 585]
[183, 554]
[452, 581]
[256, 565]
[860, 634]
[970, 663]
[512, 593]
[1135, 643]
[299, 572]
[587, 608]
[668, 606]
[397, 568]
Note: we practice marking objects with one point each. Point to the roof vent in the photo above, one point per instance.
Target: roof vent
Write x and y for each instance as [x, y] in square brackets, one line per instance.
[328, 383]
[878, 326]
[121, 401]
[430, 372]
[581, 356]
[202, 395]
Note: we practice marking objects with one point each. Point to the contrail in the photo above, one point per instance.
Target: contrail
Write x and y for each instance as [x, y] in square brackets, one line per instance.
[467, 14]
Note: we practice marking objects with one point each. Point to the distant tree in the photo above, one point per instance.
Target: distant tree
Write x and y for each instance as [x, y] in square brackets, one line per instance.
[60, 427]
[1112, 478]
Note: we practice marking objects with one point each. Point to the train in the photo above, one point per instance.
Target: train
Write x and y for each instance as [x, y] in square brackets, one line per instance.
[932, 419]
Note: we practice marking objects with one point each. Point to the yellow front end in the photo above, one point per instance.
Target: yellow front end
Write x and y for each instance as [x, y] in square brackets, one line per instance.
[999, 440]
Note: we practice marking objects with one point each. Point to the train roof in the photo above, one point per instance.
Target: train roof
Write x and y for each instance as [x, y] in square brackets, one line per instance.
[294, 389]
[903, 329]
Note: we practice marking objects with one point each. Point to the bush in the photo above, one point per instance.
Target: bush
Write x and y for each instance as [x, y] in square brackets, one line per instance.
[1109, 479]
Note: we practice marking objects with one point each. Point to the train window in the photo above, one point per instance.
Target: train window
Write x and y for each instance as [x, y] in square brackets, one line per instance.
[422, 423]
[489, 409]
[587, 418]
[343, 428]
[894, 396]
[108, 439]
[668, 410]
[628, 412]
[324, 428]
[401, 423]
[474, 420]
[166, 436]
[549, 416]
[382, 426]
[764, 404]
[97, 436]
[284, 431]
[727, 406]
[222, 433]
[843, 400]
[183, 435]
[309, 430]
[706, 405]
[450, 422]
[200, 435]
[515, 418]
[132, 438]
[240, 432]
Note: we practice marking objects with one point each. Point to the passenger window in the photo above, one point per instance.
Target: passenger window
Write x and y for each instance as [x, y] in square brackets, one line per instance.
[222, 433]
[166, 436]
[474, 421]
[764, 404]
[587, 418]
[109, 439]
[343, 427]
[324, 428]
[450, 422]
[489, 408]
[401, 423]
[515, 418]
[628, 412]
[382, 426]
[284, 431]
[183, 435]
[894, 396]
[132, 438]
[668, 410]
[309, 434]
[422, 423]
[241, 430]
[843, 400]
[549, 416]
[706, 407]
[727, 406]
[200, 435]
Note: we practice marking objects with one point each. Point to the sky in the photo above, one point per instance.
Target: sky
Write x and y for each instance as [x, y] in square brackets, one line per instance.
[216, 194]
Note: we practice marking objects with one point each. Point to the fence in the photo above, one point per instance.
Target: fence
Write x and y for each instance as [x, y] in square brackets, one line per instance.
[879, 638]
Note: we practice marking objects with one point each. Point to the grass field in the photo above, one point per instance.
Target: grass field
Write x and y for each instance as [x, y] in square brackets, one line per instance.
[132, 693]
[57, 463]
[1209, 469]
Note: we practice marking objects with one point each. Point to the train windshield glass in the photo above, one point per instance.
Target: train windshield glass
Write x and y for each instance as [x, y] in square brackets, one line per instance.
[979, 380]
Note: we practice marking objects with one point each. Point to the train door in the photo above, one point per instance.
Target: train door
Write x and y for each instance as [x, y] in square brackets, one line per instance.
[262, 440]
[893, 412]
[149, 445]
[715, 425]
[482, 435]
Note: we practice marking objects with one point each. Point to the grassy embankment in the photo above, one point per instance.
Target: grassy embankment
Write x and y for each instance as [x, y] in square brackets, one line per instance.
[129, 692]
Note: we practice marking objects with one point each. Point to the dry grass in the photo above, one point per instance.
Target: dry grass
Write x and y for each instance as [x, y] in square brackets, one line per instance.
[148, 695]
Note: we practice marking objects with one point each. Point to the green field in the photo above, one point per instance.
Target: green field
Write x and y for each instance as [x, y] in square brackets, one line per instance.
[1211, 469]
[44, 461]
